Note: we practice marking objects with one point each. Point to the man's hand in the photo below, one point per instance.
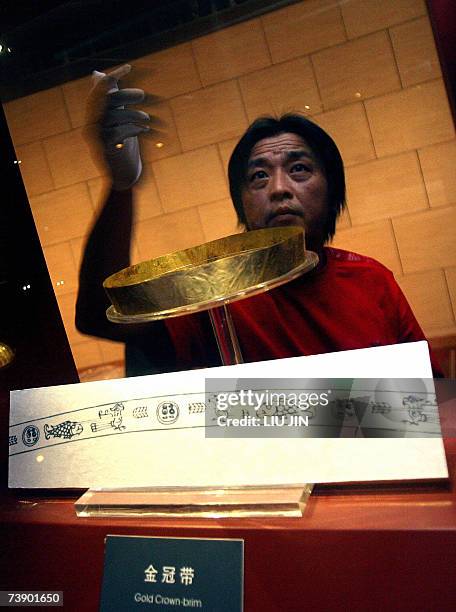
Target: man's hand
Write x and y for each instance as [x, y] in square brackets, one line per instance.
[113, 128]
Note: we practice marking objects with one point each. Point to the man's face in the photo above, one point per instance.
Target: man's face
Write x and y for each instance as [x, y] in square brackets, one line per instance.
[285, 185]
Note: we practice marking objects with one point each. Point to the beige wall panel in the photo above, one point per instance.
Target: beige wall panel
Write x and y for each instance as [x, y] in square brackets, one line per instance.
[37, 116]
[438, 163]
[167, 73]
[231, 52]
[410, 119]
[69, 158]
[427, 294]
[226, 148]
[77, 246]
[162, 140]
[343, 220]
[349, 128]
[356, 70]
[385, 188]
[427, 240]
[62, 214]
[415, 52]
[169, 233]
[282, 88]
[364, 16]
[75, 94]
[34, 168]
[67, 304]
[111, 351]
[450, 274]
[302, 28]
[86, 354]
[218, 219]
[147, 201]
[62, 268]
[98, 190]
[135, 255]
[190, 179]
[209, 115]
[374, 240]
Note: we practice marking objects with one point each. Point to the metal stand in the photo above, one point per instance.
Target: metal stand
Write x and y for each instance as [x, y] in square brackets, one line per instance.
[225, 334]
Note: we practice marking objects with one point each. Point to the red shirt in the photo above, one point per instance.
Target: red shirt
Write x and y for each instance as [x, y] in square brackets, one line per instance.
[350, 302]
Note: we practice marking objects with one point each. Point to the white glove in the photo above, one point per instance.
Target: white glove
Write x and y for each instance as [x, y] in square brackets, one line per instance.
[116, 127]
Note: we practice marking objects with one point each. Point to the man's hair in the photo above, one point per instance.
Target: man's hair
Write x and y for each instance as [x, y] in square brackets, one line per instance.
[322, 145]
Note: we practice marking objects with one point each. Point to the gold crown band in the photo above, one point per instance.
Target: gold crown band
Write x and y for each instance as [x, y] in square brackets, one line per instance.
[208, 275]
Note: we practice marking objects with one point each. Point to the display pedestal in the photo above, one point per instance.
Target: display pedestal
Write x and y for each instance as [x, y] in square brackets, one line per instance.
[195, 502]
[357, 547]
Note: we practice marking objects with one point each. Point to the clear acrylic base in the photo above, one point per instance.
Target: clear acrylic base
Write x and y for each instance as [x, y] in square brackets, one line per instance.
[289, 501]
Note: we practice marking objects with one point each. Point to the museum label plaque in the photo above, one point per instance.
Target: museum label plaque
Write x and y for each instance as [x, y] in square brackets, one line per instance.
[172, 573]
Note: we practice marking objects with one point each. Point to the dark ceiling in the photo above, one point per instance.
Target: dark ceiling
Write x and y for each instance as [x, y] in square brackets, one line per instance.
[45, 43]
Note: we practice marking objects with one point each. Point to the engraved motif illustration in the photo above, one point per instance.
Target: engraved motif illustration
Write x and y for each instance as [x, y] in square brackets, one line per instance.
[30, 435]
[140, 412]
[381, 408]
[420, 410]
[12, 440]
[66, 430]
[343, 408]
[414, 410]
[167, 412]
[196, 407]
[110, 418]
[282, 409]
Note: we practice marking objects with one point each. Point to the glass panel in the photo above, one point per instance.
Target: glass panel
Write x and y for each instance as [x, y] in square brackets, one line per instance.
[368, 73]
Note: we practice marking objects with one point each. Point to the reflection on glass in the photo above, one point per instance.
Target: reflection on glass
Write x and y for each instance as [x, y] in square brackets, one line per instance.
[355, 75]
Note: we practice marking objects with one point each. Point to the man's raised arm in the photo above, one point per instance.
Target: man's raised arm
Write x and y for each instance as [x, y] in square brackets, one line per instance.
[112, 131]
[107, 251]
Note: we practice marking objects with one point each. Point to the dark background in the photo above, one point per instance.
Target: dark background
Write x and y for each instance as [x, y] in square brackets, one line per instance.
[52, 42]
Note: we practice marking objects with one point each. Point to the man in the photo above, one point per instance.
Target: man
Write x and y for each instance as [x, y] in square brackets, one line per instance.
[285, 171]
